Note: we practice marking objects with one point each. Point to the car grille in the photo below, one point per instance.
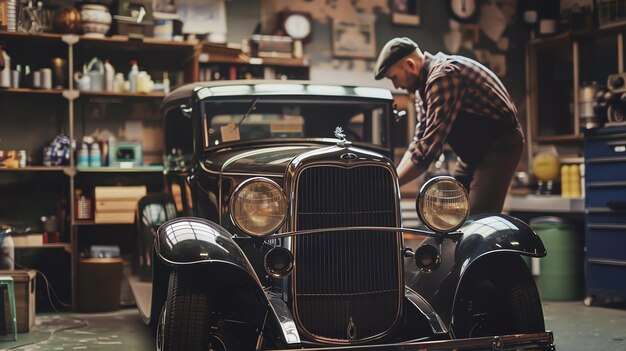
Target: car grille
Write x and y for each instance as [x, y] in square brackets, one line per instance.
[346, 282]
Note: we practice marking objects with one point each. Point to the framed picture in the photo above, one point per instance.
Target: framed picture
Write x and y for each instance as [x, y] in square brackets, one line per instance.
[354, 38]
[406, 12]
[202, 16]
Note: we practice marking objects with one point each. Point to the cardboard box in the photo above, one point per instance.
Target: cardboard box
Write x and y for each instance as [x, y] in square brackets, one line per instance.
[28, 240]
[24, 286]
[116, 206]
[115, 217]
[119, 193]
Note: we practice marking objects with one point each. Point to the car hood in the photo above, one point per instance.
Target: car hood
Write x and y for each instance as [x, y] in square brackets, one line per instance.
[273, 159]
[266, 160]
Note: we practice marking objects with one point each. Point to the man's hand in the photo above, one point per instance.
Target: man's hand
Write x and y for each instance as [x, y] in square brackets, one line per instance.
[407, 170]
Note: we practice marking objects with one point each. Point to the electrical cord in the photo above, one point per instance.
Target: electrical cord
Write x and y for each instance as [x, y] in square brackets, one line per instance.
[83, 322]
[49, 287]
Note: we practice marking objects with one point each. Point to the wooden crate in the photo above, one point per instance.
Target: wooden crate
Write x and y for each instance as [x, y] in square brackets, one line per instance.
[117, 204]
[24, 286]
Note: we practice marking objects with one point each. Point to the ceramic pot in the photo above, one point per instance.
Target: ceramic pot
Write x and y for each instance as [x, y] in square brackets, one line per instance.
[95, 20]
[66, 20]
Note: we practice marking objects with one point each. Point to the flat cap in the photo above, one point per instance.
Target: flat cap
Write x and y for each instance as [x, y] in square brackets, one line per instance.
[395, 50]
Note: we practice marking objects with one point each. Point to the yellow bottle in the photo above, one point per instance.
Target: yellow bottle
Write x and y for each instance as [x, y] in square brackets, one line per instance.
[565, 182]
[574, 179]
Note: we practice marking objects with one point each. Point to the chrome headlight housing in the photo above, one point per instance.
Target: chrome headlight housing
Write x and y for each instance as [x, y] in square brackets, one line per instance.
[258, 207]
[443, 204]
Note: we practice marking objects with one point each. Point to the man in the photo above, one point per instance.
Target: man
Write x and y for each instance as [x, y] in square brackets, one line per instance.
[462, 103]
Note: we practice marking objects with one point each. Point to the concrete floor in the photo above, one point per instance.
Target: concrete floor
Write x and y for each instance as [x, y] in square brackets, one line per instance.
[575, 326]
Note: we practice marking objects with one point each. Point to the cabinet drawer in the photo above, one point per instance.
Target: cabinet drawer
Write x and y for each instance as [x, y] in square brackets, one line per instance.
[606, 241]
[605, 218]
[606, 147]
[606, 194]
[606, 276]
[605, 169]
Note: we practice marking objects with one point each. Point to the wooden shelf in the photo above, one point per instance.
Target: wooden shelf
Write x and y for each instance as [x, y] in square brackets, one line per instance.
[58, 92]
[66, 246]
[83, 222]
[112, 94]
[118, 42]
[30, 36]
[572, 35]
[36, 169]
[146, 169]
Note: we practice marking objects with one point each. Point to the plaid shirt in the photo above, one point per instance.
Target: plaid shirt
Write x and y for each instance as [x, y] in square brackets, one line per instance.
[451, 87]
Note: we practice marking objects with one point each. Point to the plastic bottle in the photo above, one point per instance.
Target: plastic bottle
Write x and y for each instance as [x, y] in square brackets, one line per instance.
[166, 83]
[7, 260]
[566, 190]
[95, 157]
[119, 83]
[132, 76]
[582, 180]
[27, 79]
[83, 156]
[5, 74]
[109, 76]
[574, 179]
[142, 82]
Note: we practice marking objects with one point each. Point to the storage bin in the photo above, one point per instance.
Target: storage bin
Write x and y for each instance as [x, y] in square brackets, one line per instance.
[24, 286]
[561, 271]
[99, 284]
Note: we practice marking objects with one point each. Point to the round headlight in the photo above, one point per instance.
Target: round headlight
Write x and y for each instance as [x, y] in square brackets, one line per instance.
[443, 204]
[258, 207]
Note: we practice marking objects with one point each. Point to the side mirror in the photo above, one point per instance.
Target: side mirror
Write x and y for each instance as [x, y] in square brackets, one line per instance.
[186, 110]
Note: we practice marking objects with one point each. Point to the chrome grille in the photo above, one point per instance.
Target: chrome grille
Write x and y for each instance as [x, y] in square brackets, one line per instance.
[351, 279]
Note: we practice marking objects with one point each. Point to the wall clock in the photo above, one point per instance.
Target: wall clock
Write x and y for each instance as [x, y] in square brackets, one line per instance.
[297, 25]
[463, 10]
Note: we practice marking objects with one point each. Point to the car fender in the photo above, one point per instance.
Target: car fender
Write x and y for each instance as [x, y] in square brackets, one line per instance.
[483, 235]
[191, 241]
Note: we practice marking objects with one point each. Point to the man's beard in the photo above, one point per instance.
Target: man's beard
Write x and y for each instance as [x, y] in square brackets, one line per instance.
[412, 84]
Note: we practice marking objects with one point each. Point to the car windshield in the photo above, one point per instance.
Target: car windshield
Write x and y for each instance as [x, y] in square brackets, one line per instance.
[363, 120]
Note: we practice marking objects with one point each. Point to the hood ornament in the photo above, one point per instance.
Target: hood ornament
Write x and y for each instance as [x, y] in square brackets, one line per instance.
[351, 331]
[339, 134]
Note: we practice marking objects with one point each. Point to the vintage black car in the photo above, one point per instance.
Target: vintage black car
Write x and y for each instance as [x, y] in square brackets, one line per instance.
[289, 233]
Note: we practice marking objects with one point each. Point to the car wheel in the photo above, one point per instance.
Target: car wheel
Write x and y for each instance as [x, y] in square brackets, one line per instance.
[187, 312]
[498, 298]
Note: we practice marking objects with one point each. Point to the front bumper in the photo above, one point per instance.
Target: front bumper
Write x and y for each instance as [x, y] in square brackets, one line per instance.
[538, 341]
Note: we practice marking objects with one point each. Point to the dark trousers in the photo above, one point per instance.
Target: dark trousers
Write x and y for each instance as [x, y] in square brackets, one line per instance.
[487, 180]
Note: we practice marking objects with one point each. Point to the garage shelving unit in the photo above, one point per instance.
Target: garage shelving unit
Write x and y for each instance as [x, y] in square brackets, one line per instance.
[68, 110]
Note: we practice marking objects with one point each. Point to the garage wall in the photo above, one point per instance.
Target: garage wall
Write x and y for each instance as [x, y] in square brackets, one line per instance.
[246, 16]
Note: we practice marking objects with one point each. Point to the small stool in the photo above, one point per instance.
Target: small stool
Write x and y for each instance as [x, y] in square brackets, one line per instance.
[8, 282]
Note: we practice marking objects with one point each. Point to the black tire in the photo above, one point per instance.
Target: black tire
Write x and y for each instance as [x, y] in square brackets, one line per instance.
[187, 313]
[498, 297]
